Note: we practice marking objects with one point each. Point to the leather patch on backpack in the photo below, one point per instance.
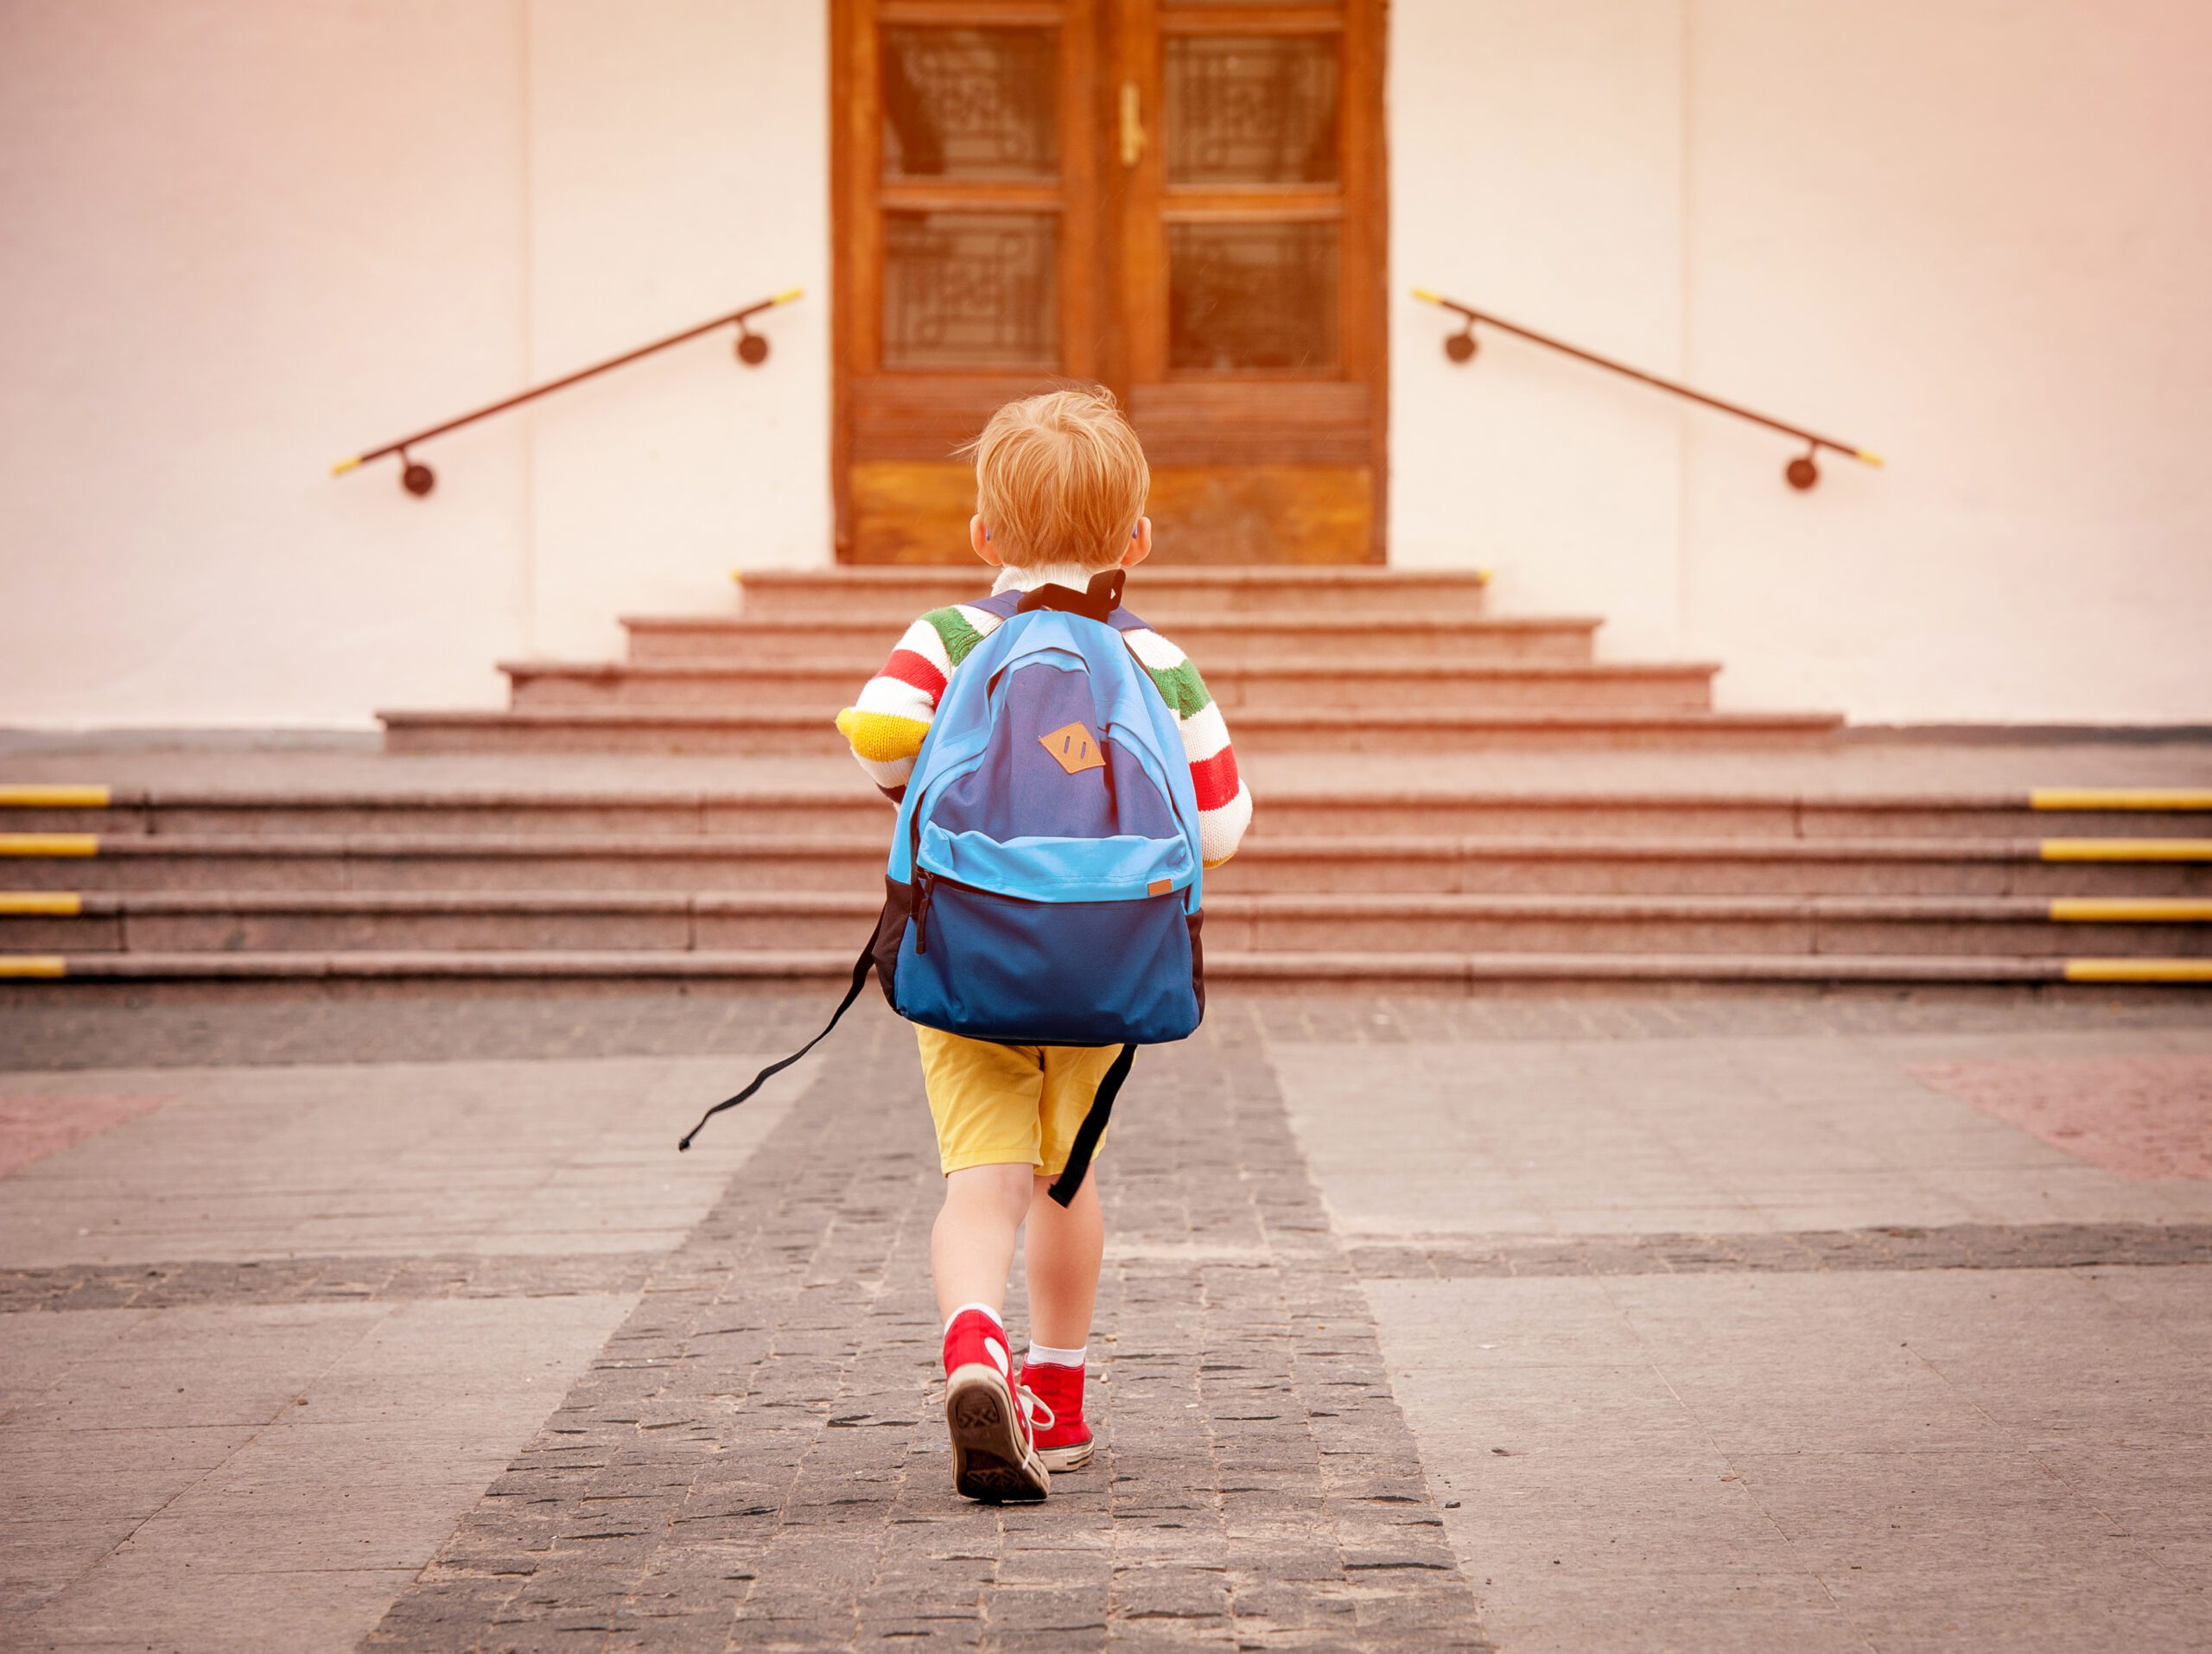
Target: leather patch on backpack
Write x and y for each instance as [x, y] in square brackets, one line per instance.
[1073, 748]
[1159, 887]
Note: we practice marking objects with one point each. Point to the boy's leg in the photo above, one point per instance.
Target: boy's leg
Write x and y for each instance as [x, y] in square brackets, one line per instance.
[983, 1099]
[994, 1453]
[971, 1247]
[1066, 1246]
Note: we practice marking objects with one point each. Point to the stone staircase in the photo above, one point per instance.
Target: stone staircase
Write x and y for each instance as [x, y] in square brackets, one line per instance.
[1301, 660]
[1383, 851]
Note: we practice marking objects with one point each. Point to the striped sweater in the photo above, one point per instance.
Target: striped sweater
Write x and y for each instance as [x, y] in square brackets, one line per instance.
[887, 725]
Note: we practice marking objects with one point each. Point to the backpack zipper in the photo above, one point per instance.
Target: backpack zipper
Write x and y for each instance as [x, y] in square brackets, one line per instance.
[922, 882]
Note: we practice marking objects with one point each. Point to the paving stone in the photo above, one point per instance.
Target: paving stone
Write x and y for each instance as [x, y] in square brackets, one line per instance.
[757, 1456]
[91, 1025]
[1954, 1246]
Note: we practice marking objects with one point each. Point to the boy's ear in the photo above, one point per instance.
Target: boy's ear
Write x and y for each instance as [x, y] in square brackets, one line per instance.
[980, 538]
[1140, 544]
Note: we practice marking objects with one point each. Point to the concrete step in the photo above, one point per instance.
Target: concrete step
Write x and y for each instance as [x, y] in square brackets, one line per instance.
[785, 730]
[827, 967]
[851, 806]
[1270, 864]
[780, 921]
[1166, 596]
[1280, 684]
[1353, 638]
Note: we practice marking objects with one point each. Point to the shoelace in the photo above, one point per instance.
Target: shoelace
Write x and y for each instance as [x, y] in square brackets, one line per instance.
[1032, 1404]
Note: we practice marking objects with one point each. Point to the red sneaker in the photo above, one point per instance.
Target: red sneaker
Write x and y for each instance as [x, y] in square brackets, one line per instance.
[1063, 1439]
[994, 1446]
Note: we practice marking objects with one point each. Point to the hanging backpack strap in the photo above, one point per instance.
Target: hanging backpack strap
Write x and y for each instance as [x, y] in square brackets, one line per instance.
[1092, 1128]
[861, 968]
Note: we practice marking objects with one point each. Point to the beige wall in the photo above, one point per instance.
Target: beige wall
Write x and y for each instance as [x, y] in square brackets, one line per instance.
[240, 240]
[1972, 235]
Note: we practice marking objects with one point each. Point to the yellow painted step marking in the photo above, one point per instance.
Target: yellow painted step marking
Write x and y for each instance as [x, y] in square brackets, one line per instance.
[2120, 798]
[2127, 849]
[2139, 970]
[53, 797]
[32, 964]
[49, 843]
[43, 904]
[2127, 910]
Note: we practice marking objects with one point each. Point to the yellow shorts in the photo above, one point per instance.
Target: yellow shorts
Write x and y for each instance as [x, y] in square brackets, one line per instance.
[997, 1105]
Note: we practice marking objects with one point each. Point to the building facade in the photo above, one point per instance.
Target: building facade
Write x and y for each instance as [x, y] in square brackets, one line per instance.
[245, 239]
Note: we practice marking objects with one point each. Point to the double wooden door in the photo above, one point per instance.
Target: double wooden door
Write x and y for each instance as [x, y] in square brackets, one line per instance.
[1183, 201]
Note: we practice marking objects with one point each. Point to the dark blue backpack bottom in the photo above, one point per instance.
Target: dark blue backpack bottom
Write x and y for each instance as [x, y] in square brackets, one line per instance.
[1018, 972]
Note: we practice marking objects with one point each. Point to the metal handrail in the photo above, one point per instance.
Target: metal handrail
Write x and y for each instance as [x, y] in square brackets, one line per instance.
[1800, 473]
[418, 479]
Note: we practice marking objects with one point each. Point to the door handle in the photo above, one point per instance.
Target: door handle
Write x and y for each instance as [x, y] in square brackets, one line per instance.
[1132, 125]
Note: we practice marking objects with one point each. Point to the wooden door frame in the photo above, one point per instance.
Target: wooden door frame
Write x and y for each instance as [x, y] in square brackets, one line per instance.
[1093, 56]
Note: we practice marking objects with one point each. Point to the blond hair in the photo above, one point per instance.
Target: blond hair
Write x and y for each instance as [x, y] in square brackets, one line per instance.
[1060, 480]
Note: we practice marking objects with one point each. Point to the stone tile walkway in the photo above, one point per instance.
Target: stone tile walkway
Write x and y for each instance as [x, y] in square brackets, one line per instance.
[756, 1457]
[1545, 1323]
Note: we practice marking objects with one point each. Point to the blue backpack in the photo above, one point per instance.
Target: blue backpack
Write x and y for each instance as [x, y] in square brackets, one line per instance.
[1044, 880]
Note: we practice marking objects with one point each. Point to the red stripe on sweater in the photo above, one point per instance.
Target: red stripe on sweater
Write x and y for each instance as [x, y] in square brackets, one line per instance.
[910, 668]
[1214, 780]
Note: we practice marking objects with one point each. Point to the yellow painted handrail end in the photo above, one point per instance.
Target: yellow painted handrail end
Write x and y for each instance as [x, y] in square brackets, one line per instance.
[1427, 297]
[344, 466]
[1874, 459]
[787, 296]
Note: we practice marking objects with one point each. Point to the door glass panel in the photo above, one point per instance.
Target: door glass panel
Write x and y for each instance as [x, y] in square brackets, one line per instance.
[1247, 295]
[970, 102]
[1252, 109]
[970, 290]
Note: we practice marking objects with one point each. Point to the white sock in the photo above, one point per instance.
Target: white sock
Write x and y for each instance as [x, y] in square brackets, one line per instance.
[964, 1308]
[1052, 1358]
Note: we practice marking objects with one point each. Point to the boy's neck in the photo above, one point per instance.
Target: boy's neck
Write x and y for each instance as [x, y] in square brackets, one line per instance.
[1012, 579]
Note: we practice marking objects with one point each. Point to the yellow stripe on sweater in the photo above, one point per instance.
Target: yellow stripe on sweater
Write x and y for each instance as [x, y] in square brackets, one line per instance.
[881, 737]
[49, 843]
[53, 797]
[2139, 970]
[2120, 798]
[2127, 849]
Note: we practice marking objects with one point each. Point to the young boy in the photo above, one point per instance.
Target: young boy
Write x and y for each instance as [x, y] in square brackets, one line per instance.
[1060, 488]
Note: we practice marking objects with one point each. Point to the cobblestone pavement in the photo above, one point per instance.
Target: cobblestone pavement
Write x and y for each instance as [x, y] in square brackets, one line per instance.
[756, 1459]
[1954, 1246]
[1558, 1323]
[93, 1025]
[316, 1281]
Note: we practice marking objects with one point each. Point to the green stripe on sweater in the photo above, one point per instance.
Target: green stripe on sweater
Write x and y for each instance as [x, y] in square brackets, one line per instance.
[1182, 688]
[954, 632]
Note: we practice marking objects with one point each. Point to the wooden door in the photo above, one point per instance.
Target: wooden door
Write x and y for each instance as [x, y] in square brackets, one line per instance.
[1184, 202]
